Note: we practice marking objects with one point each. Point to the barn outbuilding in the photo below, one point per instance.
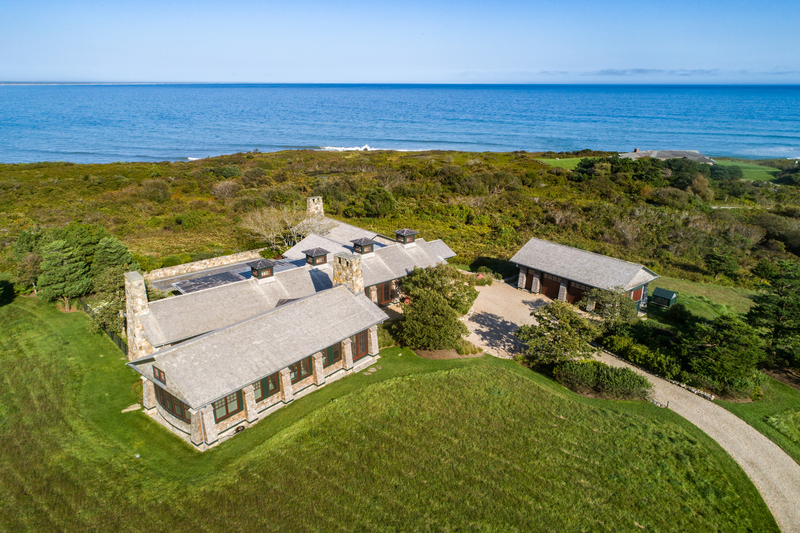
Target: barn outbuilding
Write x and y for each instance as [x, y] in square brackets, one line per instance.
[566, 273]
[663, 297]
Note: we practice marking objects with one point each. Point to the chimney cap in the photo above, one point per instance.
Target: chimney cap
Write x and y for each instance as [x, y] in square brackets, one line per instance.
[316, 252]
[405, 232]
[261, 264]
[363, 241]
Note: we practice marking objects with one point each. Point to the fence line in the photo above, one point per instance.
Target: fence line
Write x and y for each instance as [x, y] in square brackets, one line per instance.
[116, 339]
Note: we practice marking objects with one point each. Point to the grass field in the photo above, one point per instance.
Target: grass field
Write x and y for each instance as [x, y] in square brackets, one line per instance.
[707, 300]
[777, 415]
[568, 163]
[476, 444]
[751, 171]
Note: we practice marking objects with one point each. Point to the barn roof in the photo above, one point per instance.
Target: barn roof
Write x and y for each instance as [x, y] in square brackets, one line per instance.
[595, 270]
[209, 367]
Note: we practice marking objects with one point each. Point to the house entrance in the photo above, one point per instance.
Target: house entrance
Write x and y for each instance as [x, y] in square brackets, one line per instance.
[529, 280]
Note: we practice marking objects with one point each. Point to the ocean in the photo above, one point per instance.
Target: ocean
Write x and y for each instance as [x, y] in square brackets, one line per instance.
[154, 122]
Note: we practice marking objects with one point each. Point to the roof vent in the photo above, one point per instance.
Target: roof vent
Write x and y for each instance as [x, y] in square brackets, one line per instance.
[363, 245]
[316, 256]
[405, 236]
[263, 268]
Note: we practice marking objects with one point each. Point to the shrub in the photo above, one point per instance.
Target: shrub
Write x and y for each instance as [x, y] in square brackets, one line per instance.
[591, 375]
[430, 323]
[652, 360]
[228, 172]
[155, 190]
[225, 189]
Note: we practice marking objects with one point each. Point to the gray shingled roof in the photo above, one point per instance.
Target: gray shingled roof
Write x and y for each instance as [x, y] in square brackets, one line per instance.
[261, 264]
[207, 368]
[694, 155]
[405, 232]
[363, 241]
[393, 262]
[189, 315]
[316, 252]
[589, 268]
[343, 232]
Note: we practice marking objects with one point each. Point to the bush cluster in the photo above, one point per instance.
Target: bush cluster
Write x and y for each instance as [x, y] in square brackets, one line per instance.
[590, 375]
[643, 356]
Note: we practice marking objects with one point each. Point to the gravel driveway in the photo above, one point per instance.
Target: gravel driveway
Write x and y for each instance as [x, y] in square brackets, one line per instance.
[499, 311]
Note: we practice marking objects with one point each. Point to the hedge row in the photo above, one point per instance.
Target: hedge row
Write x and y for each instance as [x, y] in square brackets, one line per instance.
[590, 375]
[641, 355]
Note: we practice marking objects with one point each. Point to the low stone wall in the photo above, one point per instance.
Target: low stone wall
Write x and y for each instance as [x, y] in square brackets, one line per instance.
[186, 268]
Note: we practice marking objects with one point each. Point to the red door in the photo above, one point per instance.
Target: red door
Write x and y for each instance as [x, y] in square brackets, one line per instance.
[637, 295]
[550, 286]
[575, 293]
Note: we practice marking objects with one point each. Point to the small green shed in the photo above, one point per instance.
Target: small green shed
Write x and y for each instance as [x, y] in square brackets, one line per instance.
[663, 297]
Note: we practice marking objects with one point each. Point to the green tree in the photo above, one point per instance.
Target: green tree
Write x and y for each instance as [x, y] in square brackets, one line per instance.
[777, 311]
[110, 253]
[379, 202]
[84, 238]
[64, 274]
[430, 323]
[28, 271]
[765, 269]
[559, 334]
[726, 350]
[721, 263]
[456, 288]
[614, 306]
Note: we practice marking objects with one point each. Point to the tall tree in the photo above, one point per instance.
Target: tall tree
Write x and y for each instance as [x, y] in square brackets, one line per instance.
[445, 280]
[777, 311]
[721, 263]
[614, 306]
[110, 253]
[64, 274]
[559, 334]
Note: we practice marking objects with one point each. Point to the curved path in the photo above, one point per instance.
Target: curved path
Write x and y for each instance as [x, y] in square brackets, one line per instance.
[501, 309]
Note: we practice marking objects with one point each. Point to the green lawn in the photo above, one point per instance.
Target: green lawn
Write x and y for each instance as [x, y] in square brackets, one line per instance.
[751, 171]
[568, 163]
[706, 300]
[777, 415]
[474, 444]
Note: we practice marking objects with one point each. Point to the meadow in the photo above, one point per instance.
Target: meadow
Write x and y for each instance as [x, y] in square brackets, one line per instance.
[474, 444]
[707, 300]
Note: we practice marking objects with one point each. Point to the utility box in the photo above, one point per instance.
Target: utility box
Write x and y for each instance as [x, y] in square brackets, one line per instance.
[663, 298]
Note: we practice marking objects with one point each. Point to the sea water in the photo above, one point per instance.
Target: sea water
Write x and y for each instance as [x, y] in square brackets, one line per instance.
[153, 122]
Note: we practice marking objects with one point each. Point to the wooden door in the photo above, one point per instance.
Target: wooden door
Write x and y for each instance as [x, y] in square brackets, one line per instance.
[550, 286]
[574, 293]
[529, 280]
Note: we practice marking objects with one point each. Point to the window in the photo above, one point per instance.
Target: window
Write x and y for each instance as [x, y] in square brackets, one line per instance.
[228, 406]
[384, 291]
[270, 384]
[160, 375]
[172, 405]
[551, 277]
[300, 370]
[359, 344]
[319, 260]
[332, 354]
[580, 286]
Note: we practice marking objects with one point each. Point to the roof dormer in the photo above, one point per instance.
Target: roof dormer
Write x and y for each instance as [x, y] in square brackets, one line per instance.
[316, 256]
[405, 236]
[363, 246]
[263, 268]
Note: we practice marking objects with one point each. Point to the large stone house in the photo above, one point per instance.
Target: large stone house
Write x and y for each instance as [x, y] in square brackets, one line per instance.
[566, 273]
[248, 335]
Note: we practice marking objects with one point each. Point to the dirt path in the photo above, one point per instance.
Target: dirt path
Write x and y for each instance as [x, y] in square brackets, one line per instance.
[501, 309]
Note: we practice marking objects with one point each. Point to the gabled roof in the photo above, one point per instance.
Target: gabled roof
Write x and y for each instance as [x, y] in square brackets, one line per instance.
[664, 293]
[589, 268]
[182, 317]
[209, 367]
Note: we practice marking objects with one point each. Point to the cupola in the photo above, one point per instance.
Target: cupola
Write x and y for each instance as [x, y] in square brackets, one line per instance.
[263, 268]
[405, 236]
[363, 245]
[316, 256]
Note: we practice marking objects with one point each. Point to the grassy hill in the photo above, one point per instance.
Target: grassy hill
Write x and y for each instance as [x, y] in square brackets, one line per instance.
[477, 444]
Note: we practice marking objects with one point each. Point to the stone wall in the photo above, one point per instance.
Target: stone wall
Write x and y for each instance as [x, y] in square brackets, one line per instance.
[136, 305]
[186, 268]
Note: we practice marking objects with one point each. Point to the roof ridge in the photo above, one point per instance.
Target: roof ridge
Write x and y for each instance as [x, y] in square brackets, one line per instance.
[588, 252]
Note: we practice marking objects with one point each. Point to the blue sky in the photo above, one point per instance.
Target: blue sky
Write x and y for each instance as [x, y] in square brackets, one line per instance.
[305, 41]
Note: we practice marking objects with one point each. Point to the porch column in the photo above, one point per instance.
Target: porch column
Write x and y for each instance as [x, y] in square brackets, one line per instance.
[347, 353]
[643, 304]
[536, 286]
[372, 341]
[209, 424]
[197, 426]
[319, 371]
[562, 290]
[286, 386]
[521, 279]
[373, 294]
[250, 410]
[148, 394]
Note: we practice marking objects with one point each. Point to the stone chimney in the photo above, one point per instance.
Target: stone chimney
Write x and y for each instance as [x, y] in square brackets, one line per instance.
[314, 206]
[136, 305]
[347, 272]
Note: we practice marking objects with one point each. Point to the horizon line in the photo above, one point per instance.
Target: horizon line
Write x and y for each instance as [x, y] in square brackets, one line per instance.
[628, 82]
